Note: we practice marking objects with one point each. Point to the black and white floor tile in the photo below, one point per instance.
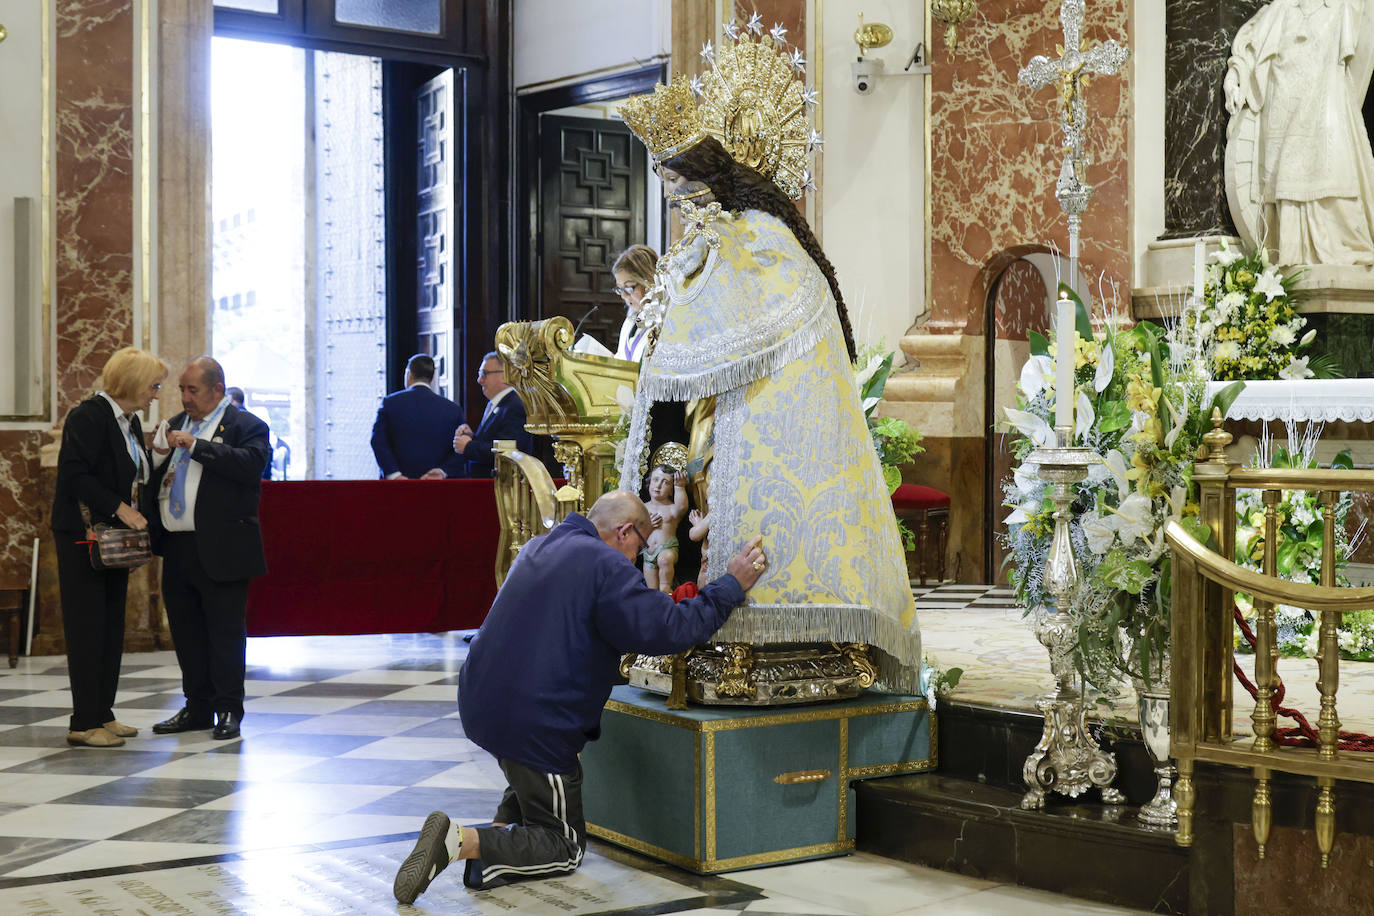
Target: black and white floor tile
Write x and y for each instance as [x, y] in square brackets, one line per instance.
[348, 742]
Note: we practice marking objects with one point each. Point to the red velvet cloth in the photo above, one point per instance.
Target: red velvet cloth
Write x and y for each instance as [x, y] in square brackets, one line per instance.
[375, 556]
[911, 497]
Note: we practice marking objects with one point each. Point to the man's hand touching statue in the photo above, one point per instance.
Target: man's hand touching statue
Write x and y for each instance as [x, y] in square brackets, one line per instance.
[748, 565]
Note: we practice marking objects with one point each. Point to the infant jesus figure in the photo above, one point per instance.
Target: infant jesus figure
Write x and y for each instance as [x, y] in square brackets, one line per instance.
[667, 504]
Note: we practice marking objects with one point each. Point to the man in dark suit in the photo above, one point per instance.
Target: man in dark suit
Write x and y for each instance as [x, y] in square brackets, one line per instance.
[205, 525]
[413, 429]
[504, 418]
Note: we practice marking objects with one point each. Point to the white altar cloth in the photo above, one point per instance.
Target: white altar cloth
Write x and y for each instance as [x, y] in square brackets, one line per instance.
[1326, 400]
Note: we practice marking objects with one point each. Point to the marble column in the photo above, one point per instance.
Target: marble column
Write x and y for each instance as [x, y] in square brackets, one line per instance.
[1199, 35]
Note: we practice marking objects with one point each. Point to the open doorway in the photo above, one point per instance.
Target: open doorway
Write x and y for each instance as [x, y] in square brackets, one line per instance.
[334, 244]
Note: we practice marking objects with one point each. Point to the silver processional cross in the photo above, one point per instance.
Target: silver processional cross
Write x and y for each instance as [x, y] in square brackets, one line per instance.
[1070, 71]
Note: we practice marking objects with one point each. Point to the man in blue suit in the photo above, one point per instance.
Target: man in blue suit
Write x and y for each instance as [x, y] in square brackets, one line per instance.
[414, 428]
[504, 418]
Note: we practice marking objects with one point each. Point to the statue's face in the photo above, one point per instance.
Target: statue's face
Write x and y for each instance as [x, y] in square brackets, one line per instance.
[661, 486]
[677, 186]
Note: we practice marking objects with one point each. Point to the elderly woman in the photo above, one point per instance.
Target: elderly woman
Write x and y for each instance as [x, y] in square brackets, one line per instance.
[102, 462]
[634, 277]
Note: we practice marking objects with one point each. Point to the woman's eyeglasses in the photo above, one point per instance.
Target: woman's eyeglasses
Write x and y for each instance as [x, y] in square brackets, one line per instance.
[627, 290]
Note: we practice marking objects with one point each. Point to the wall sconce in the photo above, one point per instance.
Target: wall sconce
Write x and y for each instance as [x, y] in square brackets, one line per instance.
[866, 70]
[952, 13]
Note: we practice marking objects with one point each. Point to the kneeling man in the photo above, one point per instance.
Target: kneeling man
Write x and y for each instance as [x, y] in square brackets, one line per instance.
[538, 675]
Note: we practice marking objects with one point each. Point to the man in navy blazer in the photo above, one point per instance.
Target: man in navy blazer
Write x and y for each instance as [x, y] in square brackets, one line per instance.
[504, 418]
[202, 508]
[414, 428]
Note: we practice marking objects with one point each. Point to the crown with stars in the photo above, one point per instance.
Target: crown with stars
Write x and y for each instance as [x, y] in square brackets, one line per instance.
[751, 98]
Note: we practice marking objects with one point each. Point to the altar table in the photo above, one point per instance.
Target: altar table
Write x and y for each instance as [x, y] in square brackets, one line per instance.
[374, 556]
[1350, 400]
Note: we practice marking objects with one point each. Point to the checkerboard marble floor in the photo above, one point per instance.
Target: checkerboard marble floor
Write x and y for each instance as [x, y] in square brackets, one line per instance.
[347, 743]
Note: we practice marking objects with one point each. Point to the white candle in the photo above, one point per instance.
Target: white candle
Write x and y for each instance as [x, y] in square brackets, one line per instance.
[1065, 332]
[1199, 270]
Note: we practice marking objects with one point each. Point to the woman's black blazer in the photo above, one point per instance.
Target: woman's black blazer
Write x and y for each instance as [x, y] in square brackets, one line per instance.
[93, 466]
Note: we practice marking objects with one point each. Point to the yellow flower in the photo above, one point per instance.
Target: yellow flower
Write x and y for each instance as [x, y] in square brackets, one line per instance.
[1140, 395]
[1086, 352]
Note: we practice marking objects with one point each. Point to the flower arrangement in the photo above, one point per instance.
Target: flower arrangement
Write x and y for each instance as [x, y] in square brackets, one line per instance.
[1299, 550]
[1247, 325]
[895, 440]
[1141, 404]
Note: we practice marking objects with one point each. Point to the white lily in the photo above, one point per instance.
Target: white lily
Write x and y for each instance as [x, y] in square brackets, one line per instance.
[1178, 497]
[1100, 533]
[1084, 417]
[867, 372]
[1134, 518]
[1156, 547]
[870, 403]
[1036, 374]
[1226, 256]
[1308, 338]
[1022, 513]
[1270, 283]
[1031, 426]
[624, 398]
[1296, 369]
[1106, 366]
[1115, 462]
[1026, 476]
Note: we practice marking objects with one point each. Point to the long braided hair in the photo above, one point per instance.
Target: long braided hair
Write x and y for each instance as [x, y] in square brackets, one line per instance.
[738, 187]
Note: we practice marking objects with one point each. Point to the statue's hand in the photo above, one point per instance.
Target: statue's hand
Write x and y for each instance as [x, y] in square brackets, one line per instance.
[1231, 87]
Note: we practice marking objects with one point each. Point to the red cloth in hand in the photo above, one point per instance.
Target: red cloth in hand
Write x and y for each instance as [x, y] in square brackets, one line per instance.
[685, 591]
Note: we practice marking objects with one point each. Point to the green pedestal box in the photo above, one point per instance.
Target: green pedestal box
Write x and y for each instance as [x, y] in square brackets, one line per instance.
[715, 789]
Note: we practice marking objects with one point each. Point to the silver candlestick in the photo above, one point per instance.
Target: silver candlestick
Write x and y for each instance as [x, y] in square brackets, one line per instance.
[1067, 760]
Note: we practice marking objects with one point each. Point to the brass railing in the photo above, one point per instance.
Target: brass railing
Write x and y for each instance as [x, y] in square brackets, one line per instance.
[1202, 627]
[526, 501]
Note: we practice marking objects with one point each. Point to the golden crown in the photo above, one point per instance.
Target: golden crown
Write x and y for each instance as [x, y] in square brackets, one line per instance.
[666, 119]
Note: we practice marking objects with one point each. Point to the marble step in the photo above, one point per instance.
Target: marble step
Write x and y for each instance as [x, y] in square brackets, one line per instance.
[1084, 850]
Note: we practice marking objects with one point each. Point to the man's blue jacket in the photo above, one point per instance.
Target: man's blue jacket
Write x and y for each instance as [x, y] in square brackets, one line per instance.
[541, 668]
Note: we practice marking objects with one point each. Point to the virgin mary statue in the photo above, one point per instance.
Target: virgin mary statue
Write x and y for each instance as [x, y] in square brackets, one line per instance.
[1299, 171]
[749, 313]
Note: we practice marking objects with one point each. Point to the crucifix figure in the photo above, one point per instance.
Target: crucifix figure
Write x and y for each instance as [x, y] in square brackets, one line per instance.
[1076, 63]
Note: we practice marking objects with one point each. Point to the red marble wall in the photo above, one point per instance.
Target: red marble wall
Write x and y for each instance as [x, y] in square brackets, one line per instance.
[93, 186]
[791, 14]
[995, 153]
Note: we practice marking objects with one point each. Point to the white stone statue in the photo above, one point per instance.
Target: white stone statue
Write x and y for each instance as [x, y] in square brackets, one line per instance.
[1299, 171]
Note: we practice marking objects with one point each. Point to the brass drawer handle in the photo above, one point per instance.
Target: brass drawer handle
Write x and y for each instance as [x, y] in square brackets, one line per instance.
[801, 776]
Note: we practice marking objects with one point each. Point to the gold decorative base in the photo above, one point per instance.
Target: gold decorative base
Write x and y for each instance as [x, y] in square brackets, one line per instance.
[736, 674]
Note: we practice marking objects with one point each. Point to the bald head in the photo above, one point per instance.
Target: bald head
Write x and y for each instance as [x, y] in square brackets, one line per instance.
[202, 386]
[616, 508]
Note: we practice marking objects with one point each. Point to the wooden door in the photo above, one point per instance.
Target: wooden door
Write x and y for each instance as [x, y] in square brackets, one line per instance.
[592, 206]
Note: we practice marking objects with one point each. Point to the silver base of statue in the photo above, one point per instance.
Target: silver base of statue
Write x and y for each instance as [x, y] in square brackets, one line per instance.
[1067, 760]
[734, 674]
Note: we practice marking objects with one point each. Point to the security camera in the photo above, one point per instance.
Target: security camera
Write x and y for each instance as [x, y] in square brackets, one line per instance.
[866, 71]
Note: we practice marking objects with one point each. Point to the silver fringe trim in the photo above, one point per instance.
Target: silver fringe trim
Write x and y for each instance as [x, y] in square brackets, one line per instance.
[898, 654]
[723, 484]
[740, 372]
[636, 443]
